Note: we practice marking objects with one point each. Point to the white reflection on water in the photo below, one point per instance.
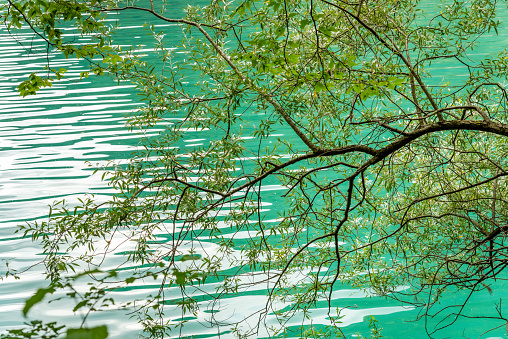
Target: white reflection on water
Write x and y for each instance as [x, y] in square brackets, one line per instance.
[44, 142]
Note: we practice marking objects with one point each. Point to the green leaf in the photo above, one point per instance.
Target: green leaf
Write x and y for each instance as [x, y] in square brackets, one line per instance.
[86, 273]
[36, 298]
[241, 9]
[304, 23]
[292, 58]
[181, 277]
[190, 257]
[358, 88]
[393, 81]
[79, 305]
[319, 87]
[99, 332]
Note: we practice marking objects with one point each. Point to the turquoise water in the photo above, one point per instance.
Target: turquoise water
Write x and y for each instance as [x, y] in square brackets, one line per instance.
[44, 143]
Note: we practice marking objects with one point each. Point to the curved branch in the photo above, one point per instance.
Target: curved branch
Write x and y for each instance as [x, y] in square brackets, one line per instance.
[484, 126]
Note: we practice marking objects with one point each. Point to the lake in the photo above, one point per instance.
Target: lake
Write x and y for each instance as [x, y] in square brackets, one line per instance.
[45, 143]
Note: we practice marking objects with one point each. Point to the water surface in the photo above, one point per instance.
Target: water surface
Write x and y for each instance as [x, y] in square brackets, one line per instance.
[45, 141]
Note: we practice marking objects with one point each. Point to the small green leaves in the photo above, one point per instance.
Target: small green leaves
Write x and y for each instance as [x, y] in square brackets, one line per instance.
[393, 81]
[35, 329]
[304, 23]
[59, 73]
[186, 277]
[181, 277]
[275, 4]
[82, 303]
[188, 257]
[292, 58]
[86, 273]
[244, 6]
[36, 298]
[319, 87]
[33, 84]
[99, 332]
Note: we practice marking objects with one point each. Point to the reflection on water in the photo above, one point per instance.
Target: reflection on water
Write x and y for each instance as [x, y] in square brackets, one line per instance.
[44, 142]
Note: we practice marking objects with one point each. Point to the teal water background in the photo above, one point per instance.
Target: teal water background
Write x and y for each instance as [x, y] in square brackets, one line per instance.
[44, 143]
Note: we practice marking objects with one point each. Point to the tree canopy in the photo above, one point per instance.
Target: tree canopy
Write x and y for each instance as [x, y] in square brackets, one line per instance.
[387, 172]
